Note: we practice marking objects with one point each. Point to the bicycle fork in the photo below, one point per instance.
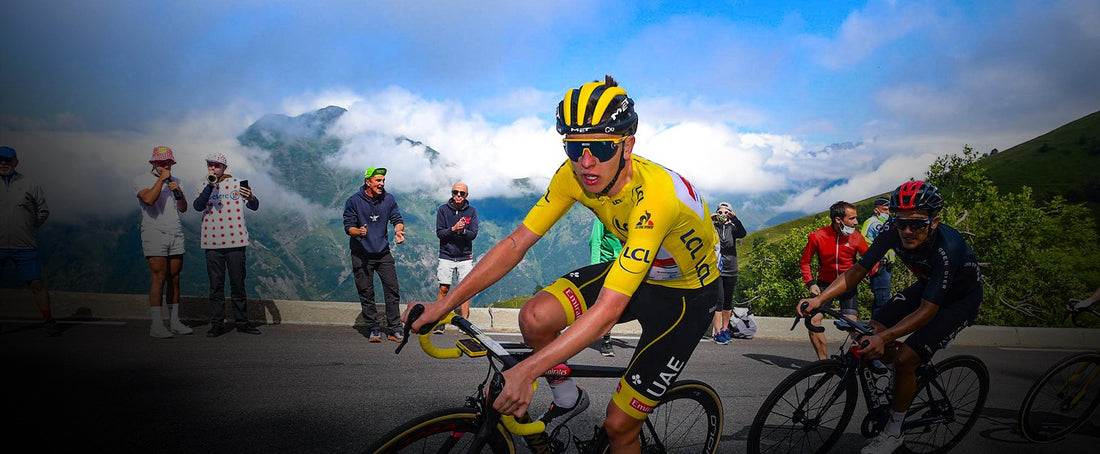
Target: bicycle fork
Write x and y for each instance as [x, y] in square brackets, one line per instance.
[801, 414]
[1075, 397]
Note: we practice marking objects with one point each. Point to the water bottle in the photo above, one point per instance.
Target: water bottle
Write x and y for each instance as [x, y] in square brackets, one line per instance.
[884, 382]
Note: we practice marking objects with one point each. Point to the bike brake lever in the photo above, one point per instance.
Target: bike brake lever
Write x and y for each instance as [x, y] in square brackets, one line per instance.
[798, 317]
[414, 314]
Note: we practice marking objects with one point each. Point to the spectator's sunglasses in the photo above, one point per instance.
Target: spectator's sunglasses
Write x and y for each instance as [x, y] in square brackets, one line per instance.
[912, 224]
[457, 192]
[599, 149]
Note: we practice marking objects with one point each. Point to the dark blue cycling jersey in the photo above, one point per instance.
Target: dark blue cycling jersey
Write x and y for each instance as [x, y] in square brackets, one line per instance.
[944, 264]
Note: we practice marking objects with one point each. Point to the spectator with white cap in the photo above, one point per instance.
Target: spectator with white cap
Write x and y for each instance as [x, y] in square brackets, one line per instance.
[162, 239]
[224, 239]
[729, 229]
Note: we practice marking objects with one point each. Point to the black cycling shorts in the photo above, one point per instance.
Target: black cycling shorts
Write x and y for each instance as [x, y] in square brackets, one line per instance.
[938, 333]
[672, 320]
[849, 301]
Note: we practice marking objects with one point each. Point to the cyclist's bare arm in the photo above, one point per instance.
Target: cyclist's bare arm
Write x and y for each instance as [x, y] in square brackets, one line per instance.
[848, 280]
[1090, 300]
[589, 327]
[886, 334]
[500, 259]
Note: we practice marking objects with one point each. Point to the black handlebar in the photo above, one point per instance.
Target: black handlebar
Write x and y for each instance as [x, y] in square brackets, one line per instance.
[859, 327]
[414, 313]
[1074, 308]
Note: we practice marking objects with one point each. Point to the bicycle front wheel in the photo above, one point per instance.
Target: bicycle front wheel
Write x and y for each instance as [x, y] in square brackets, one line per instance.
[445, 431]
[1062, 399]
[954, 405]
[688, 419]
[806, 413]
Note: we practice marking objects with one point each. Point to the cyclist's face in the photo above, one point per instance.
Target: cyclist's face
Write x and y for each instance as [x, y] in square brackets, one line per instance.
[591, 172]
[914, 227]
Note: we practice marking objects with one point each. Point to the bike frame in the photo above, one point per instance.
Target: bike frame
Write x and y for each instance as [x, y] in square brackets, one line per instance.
[856, 368]
[503, 356]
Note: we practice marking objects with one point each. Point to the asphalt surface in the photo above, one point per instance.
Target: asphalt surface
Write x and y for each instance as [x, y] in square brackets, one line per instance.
[107, 386]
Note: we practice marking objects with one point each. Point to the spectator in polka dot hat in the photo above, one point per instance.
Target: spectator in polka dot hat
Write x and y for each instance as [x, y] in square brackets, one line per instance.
[224, 237]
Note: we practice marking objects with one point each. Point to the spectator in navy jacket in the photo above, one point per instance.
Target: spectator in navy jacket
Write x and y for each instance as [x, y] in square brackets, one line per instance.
[365, 216]
[456, 227]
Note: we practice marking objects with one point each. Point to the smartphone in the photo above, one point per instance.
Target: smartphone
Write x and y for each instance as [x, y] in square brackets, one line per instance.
[244, 183]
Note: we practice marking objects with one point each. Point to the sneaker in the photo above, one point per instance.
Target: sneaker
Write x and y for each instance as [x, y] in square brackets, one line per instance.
[159, 331]
[606, 349]
[375, 336]
[247, 329]
[396, 336]
[216, 330]
[722, 338]
[883, 444]
[178, 327]
[555, 416]
[51, 328]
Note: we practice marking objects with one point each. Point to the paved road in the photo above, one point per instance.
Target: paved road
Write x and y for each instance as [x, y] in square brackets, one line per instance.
[107, 386]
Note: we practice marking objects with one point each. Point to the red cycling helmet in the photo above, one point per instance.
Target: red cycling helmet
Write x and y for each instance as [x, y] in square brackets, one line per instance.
[916, 195]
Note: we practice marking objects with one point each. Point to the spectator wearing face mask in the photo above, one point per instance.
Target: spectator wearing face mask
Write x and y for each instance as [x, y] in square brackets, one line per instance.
[880, 280]
[835, 246]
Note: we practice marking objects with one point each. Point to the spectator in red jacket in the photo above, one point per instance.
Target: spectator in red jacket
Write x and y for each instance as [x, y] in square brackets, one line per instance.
[835, 246]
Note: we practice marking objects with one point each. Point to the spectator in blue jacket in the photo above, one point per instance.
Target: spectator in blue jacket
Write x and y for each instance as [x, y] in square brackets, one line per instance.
[365, 216]
[456, 227]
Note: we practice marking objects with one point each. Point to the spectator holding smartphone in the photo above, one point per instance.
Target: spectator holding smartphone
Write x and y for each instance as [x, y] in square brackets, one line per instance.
[456, 227]
[224, 238]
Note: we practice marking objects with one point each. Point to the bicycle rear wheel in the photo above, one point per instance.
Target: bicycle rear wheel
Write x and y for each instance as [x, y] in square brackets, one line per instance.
[444, 431]
[806, 413]
[1062, 399]
[965, 385]
[688, 419]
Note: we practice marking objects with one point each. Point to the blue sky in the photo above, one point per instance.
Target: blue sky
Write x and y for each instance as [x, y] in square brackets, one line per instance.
[741, 97]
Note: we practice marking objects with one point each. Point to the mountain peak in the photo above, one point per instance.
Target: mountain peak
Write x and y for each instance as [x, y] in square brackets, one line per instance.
[273, 129]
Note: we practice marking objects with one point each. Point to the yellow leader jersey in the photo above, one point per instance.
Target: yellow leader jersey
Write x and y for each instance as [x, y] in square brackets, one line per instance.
[660, 216]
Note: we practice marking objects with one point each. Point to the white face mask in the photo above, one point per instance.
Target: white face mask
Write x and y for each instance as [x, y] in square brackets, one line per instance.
[883, 216]
[845, 230]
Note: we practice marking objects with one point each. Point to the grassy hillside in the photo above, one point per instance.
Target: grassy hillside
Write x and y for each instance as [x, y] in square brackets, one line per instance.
[1065, 161]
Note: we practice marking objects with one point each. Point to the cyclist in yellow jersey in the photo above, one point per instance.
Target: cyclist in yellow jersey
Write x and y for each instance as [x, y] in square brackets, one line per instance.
[665, 277]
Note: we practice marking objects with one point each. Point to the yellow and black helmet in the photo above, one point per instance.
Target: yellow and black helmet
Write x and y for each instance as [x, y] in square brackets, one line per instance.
[597, 107]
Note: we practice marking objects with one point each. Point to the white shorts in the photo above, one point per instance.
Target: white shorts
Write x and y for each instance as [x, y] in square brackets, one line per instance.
[155, 243]
[447, 269]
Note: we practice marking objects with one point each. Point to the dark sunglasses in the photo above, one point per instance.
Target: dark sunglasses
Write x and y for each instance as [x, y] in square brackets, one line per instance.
[461, 193]
[599, 149]
[912, 224]
[7, 160]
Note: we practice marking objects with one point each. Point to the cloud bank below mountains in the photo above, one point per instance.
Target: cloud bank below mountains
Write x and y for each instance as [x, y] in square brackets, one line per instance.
[88, 174]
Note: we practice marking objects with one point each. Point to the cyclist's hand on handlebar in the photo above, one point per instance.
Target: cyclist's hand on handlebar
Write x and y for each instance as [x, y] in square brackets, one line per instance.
[517, 394]
[428, 317]
[872, 347]
[806, 305]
